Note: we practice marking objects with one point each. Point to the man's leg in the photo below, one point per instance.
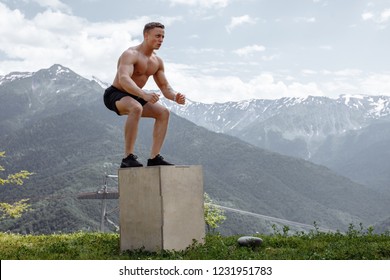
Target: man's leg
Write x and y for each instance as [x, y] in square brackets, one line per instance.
[161, 116]
[133, 109]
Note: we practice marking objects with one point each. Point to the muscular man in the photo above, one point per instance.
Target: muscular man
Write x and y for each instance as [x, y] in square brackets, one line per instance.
[126, 97]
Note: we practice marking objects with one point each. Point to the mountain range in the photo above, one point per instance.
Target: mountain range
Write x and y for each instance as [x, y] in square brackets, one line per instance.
[350, 134]
[53, 123]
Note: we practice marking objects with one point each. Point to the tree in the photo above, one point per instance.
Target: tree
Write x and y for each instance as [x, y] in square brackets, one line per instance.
[16, 209]
[213, 214]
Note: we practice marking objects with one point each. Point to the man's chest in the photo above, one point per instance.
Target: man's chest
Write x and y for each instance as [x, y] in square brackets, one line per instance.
[146, 66]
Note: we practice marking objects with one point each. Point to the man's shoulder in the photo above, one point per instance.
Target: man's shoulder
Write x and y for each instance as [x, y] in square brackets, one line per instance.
[131, 51]
[131, 54]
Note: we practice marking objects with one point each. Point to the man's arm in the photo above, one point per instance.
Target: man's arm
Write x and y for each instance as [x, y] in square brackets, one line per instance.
[165, 87]
[125, 72]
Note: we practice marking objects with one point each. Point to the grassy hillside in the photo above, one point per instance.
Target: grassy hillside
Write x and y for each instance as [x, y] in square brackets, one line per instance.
[354, 245]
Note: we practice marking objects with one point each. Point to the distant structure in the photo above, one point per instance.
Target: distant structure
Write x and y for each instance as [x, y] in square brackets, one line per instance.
[103, 194]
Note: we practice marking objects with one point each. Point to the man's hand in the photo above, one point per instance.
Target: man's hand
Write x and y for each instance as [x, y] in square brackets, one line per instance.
[151, 97]
[180, 98]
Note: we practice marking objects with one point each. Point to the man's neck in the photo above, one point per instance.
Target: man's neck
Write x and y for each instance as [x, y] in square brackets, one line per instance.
[147, 51]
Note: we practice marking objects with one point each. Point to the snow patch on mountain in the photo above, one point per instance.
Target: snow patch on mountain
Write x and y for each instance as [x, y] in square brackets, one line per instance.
[104, 85]
[60, 69]
[14, 76]
[380, 108]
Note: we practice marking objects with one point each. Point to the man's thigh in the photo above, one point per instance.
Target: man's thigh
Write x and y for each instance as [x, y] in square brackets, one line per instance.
[154, 110]
[127, 104]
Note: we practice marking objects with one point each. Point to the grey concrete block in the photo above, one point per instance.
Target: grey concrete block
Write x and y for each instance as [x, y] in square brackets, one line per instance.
[161, 207]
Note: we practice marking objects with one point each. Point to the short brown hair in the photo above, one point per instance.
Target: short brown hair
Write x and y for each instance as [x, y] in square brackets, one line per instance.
[151, 25]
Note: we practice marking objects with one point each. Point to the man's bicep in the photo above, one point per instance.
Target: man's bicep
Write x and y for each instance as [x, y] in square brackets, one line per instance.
[125, 70]
[126, 64]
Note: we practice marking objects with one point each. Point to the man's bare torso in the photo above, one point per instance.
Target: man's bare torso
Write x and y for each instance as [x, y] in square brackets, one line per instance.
[144, 67]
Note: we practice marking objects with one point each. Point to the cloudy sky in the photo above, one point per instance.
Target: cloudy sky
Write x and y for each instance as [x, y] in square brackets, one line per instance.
[214, 50]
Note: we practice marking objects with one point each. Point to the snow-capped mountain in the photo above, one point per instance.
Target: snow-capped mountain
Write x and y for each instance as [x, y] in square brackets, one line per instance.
[348, 134]
[225, 117]
[307, 120]
[35, 93]
[101, 83]
[14, 76]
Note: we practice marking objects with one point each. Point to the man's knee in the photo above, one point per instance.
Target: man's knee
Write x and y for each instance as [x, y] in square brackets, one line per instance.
[135, 110]
[164, 113]
[128, 106]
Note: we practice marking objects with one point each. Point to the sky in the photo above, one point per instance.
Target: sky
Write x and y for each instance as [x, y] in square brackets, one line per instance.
[214, 50]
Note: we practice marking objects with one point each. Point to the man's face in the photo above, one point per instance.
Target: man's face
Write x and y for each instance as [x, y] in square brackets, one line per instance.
[155, 37]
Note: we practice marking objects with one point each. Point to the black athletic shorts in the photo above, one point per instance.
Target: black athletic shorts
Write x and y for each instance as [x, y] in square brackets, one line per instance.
[112, 95]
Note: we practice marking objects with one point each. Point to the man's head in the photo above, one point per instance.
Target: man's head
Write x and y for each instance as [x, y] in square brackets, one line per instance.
[151, 25]
[154, 34]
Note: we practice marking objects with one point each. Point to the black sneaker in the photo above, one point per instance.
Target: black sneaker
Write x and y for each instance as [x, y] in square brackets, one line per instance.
[130, 161]
[158, 160]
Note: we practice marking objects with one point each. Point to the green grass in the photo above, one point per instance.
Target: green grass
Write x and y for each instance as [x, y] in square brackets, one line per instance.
[353, 245]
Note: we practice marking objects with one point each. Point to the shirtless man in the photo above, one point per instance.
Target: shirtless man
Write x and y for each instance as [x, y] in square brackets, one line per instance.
[126, 97]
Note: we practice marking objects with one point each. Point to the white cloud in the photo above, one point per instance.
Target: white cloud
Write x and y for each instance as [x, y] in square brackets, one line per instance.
[367, 16]
[348, 73]
[217, 4]
[248, 50]
[241, 20]
[270, 57]
[326, 47]
[55, 37]
[194, 36]
[56, 21]
[376, 84]
[354, 81]
[308, 72]
[379, 17]
[305, 19]
[210, 51]
[384, 16]
[323, 2]
[56, 5]
[208, 89]
[335, 88]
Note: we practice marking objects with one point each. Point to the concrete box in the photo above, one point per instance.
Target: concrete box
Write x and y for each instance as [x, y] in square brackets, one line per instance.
[161, 207]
